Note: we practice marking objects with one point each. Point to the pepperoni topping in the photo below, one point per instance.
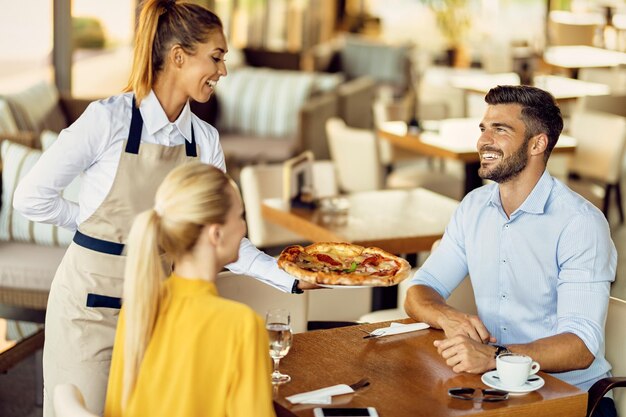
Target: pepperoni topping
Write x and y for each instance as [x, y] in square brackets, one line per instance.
[372, 260]
[325, 258]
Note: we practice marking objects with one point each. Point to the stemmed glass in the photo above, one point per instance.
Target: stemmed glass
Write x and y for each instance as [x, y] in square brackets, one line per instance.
[278, 325]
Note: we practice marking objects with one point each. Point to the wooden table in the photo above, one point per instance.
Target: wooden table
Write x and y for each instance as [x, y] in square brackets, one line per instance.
[574, 57]
[398, 221]
[459, 148]
[408, 378]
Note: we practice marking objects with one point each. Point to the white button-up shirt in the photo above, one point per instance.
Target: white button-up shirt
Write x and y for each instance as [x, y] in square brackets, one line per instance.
[91, 147]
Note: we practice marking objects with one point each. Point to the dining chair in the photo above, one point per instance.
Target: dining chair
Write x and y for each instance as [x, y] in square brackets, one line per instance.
[259, 182]
[69, 402]
[356, 156]
[567, 28]
[615, 346]
[595, 169]
[613, 103]
[261, 297]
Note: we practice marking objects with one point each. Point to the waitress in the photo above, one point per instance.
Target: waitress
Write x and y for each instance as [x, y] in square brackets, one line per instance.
[123, 147]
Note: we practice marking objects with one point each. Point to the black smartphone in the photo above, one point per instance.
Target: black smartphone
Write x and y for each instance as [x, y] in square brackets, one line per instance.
[345, 412]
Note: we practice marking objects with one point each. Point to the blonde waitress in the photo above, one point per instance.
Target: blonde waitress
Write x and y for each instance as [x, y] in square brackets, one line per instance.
[123, 147]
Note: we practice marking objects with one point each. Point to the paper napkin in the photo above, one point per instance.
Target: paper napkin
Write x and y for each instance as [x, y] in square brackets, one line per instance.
[320, 396]
[398, 328]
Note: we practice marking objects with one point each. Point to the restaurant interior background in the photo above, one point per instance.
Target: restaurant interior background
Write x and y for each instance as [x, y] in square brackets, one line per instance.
[444, 39]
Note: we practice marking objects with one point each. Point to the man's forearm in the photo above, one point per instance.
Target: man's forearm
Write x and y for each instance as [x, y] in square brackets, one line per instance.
[558, 353]
[425, 305]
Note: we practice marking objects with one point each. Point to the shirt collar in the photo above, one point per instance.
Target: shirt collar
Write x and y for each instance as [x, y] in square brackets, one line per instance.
[155, 119]
[536, 200]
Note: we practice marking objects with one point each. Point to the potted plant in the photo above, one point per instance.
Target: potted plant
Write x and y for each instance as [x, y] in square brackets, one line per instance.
[454, 21]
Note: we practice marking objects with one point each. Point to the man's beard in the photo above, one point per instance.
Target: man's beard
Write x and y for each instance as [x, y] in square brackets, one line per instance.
[508, 168]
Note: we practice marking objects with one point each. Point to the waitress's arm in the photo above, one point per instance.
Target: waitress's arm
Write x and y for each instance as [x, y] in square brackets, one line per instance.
[258, 264]
[38, 196]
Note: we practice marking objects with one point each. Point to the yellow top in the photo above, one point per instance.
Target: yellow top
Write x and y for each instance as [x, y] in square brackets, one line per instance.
[208, 356]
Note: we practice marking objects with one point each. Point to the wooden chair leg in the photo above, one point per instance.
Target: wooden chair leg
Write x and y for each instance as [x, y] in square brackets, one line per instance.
[618, 196]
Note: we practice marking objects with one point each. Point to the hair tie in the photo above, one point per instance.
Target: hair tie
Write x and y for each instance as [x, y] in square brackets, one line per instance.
[169, 5]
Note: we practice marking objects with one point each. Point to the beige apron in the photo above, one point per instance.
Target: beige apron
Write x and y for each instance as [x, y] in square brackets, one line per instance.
[84, 298]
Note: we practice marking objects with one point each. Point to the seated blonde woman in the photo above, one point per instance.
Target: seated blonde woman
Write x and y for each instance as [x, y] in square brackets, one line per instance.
[180, 349]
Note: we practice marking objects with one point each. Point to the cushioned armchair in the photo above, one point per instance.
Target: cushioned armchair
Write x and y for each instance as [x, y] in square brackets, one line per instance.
[270, 115]
[38, 108]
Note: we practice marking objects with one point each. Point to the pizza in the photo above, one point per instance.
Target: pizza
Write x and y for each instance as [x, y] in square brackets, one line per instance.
[331, 263]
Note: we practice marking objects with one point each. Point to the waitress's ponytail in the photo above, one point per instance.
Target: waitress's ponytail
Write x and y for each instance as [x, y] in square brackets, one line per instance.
[144, 275]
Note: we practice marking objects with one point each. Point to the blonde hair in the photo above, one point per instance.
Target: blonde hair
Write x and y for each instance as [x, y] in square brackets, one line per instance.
[163, 24]
[192, 196]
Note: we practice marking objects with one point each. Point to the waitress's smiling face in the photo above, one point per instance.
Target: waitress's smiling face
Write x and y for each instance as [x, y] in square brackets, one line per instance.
[202, 70]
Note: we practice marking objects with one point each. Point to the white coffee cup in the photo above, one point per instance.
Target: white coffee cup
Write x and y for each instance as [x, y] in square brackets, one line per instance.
[514, 369]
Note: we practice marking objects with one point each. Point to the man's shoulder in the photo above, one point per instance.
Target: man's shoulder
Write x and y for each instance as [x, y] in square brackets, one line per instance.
[565, 202]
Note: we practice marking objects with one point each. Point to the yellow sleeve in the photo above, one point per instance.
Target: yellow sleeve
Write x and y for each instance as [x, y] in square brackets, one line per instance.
[113, 404]
[251, 391]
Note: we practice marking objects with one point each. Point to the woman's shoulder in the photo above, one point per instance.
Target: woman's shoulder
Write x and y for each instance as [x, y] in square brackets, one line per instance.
[206, 128]
[112, 107]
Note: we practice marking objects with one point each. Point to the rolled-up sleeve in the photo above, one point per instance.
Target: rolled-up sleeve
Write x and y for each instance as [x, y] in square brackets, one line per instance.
[257, 264]
[587, 262]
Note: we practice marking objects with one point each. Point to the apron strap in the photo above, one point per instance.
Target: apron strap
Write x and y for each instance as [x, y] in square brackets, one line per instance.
[97, 300]
[98, 245]
[190, 147]
[134, 135]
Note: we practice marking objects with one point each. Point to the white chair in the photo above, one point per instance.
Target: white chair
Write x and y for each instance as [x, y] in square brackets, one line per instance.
[384, 112]
[69, 402]
[596, 168]
[462, 298]
[266, 181]
[261, 297]
[357, 161]
[615, 347]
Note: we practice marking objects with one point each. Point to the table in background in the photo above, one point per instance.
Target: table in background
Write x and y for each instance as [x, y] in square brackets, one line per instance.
[459, 148]
[408, 378]
[398, 221]
[563, 89]
[575, 57]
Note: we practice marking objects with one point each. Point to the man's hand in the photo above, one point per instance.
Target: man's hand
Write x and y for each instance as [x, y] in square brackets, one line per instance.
[455, 323]
[466, 355]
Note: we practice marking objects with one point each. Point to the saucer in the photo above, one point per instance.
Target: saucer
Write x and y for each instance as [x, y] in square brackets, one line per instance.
[529, 386]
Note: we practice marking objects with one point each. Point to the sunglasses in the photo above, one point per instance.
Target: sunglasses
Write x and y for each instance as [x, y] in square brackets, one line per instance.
[488, 395]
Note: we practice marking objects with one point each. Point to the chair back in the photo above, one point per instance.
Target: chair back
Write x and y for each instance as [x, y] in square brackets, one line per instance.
[262, 297]
[266, 181]
[355, 155]
[69, 402]
[615, 347]
[566, 28]
[600, 145]
[613, 104]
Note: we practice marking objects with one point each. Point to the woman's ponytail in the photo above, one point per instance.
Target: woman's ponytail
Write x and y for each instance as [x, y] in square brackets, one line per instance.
[144, 275]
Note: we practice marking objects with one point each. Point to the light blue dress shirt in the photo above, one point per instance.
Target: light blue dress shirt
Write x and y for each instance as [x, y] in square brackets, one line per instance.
[547, 270]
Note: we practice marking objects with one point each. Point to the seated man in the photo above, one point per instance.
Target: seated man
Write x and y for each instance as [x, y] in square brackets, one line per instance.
[540, 257]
